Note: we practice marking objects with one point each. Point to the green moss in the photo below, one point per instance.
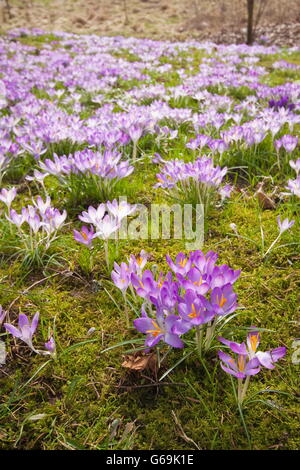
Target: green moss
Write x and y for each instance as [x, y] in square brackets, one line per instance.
[79, 391]
[85, 399]
[38, 41]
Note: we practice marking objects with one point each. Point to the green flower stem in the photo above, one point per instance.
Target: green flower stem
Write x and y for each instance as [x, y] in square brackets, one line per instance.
[134, 151]
[106, 251]
[240, 390]
[126, 310]
[245, 388]
[199, 339]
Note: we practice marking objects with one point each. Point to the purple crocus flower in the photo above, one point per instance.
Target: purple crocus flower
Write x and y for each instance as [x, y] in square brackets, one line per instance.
[199, 142]
[202, 171]
[2, 315]
[285, 225]
[205, 263]
[166, 181]
[107, 227]
[121, 209]
[195, 309]
[222, 275]
[135, 132]
[283, 102]
[196, 281]
[253, 340]
[223, 300]
[41, 205]
[253, 137]
[289, 142]
[137, 263]
[36, 148]
[7, 196]
[53, 219]
[60, 165]
[268, 358]
[121, 276]
[37, 176]
[34, 223]
[225, 191]
[278, 144]
[15, 218]
[249, 351]
[165, 297]
[157, 159]
[144, 285]
[295, 165]
[85, 235]
[294, 186]
[241, 367]
[50, 346]
[183, 295]
[182, 264]
[238, 348]
[92, 215]
[25, 330]
[161, 328]
[218, 145]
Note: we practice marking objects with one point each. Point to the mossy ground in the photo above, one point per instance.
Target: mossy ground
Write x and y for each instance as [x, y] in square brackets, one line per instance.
[85, 399]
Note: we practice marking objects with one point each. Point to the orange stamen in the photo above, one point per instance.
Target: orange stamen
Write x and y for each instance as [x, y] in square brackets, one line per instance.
[155, 332]
[84, 235]
[193, 313]
[183, 262]
[222, 301]
[241, 363]
[198, 283]
[253, 342]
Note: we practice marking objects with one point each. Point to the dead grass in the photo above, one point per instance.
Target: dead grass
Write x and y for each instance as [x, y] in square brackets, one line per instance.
[161, 19]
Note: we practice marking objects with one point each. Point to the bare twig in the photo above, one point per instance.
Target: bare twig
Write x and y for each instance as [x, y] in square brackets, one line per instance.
[156, 384]
[182, 433]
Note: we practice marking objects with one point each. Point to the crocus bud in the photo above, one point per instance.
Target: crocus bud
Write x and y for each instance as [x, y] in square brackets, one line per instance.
[51, 346]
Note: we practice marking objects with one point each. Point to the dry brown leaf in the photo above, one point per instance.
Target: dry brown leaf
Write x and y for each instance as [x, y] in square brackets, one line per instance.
[140, 361]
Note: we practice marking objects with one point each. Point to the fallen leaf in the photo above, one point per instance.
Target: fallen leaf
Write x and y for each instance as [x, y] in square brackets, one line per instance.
[140, 361]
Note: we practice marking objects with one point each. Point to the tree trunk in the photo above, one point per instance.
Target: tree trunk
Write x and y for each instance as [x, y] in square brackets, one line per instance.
[250, 32]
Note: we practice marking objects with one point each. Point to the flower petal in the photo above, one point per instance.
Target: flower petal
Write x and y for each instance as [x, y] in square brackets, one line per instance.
[13, 330]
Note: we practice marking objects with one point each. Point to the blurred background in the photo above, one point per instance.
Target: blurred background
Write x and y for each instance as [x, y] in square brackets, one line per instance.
[274, 21]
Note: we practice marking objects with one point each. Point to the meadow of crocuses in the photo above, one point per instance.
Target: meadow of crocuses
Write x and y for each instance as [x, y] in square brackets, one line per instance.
[113, 335]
